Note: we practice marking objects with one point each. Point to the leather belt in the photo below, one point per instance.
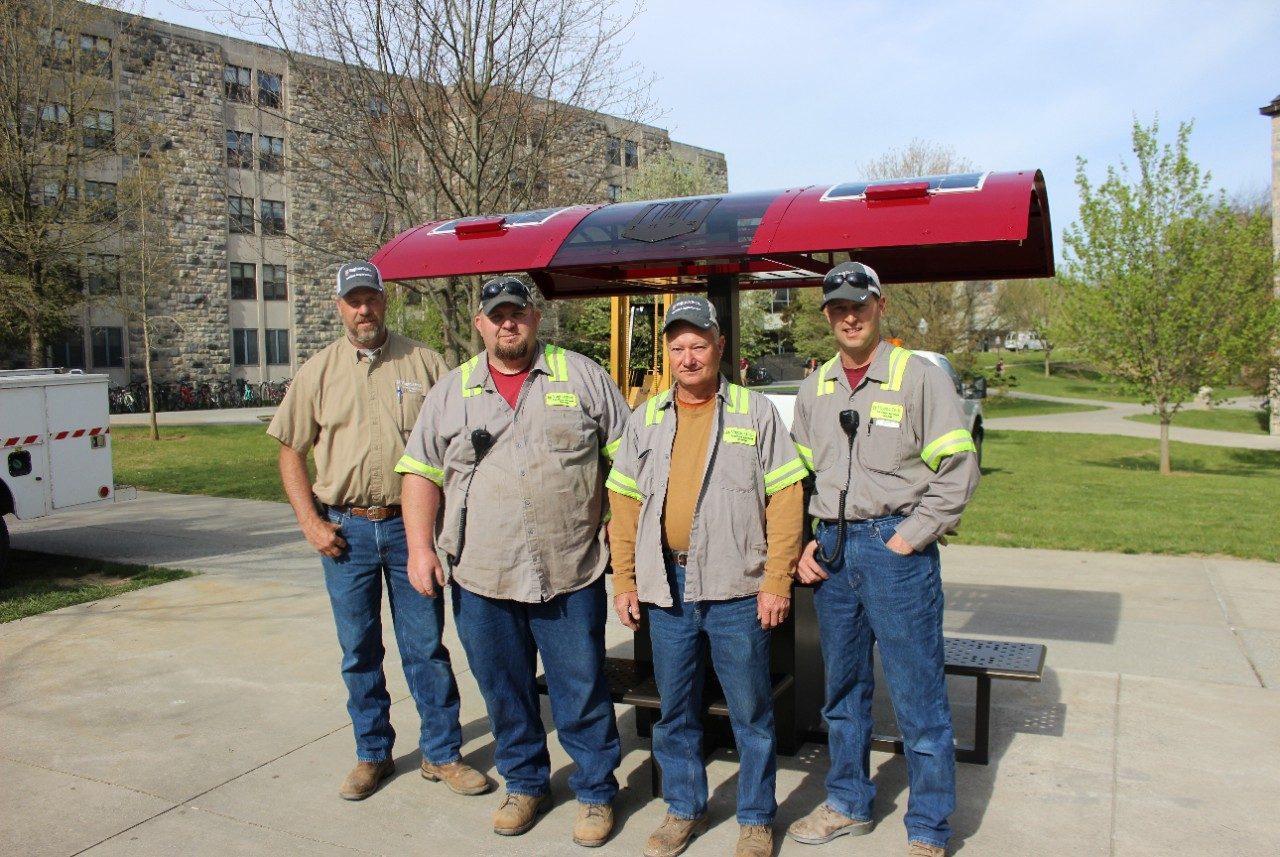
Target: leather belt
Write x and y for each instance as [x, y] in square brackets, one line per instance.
[371, 513]
[677, 557]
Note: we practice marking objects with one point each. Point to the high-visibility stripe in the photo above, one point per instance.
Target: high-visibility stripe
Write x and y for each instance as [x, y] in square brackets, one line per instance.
[412, 465]
[737, 399]
[467, 369]
[898, 358]
[788, 474]
[612, 449]
[806, 455]
[653, 411]
[620, 483]
[826, 385]
[949, 444]
[557, 363]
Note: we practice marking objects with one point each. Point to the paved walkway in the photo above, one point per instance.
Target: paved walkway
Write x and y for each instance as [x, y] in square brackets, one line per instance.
[1110, 419]
[206, 717]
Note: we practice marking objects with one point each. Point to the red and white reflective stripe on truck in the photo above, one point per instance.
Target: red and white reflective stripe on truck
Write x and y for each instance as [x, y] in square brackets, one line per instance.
[28, 440]
[63, 435]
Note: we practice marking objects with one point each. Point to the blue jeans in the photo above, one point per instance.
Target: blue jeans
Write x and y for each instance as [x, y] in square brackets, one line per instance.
[503, 639]
[376, 551]
[740, 656]
[876, 597]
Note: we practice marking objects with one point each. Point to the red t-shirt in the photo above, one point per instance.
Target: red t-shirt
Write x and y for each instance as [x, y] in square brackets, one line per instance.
[508, 385]
[855, 376]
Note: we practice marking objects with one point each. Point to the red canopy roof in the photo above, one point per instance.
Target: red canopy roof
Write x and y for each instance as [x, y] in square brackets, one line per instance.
[936, 228]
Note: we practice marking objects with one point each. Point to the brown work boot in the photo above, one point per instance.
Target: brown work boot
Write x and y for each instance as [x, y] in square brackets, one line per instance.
[755, 840]
[365, 778]
[460, 777]
[594, 824]
[518, 813]
[673, 836]
[824, 824]
[924, 849]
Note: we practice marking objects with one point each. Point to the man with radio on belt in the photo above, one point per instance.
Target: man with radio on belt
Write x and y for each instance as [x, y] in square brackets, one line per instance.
[708, 519]
[894, 463]
[352, 405]
[515, 442]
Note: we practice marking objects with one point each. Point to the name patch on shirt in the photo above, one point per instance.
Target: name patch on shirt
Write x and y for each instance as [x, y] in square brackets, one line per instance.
[740, 435]
[409, 386]
[887, 415]
[562, 400]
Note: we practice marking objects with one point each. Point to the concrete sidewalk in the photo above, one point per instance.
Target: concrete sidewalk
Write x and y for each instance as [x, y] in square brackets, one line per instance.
[206, 716]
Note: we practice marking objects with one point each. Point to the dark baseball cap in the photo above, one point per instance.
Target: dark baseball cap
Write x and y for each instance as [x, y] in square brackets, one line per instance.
[692, 309]
[850, 281]
[503, 290]
[358, 275]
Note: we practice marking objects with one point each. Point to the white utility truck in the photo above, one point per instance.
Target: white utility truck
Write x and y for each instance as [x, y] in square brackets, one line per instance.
[55, 444]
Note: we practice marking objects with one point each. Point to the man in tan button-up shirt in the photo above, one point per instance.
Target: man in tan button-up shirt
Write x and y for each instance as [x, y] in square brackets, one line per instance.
[515, 443]
[352, 405]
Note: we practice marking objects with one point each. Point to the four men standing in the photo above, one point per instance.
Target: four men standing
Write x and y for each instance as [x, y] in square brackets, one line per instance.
[504, 473]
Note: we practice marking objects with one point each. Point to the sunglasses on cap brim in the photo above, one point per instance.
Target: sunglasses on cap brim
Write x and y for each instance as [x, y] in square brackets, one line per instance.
[857, 279]
[515, 288]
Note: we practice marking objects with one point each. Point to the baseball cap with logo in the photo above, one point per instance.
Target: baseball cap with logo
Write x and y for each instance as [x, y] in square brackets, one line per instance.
[691, 309]
[358, 275]
[850, 281]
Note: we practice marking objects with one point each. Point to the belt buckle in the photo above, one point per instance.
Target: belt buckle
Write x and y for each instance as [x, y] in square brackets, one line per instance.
[377, 513]
[680, 557]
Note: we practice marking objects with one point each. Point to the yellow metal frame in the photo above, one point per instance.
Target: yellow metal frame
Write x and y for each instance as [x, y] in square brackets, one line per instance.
[657, 376]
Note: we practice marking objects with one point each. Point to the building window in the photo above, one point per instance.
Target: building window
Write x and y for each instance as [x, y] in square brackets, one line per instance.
[632, 154]
[613, 151]
[277, 347]
[95, 54]
[781, 300]
[102, 273]
[108, 347]
[272, 216]
[240, 214]
[268, 89]
[237, 83]
[69, 353]
[99, 129]
[100, 197]
[59, 47]
[244, 346]
[53, 122]
[243, 276]
[615, 192]
[270, 154]
[273, 283]
[240, 149]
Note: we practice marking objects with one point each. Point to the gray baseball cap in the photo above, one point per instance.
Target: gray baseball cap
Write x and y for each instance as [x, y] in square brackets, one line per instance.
[358, 275]
[503, 290]
[850, 281]
[692, 309]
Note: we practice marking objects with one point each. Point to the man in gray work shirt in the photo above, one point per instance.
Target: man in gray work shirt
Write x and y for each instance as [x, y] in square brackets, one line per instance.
[885, 435]
[516, 443]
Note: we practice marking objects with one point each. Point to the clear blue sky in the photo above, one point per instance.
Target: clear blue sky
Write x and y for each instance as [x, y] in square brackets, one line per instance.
[799, 92]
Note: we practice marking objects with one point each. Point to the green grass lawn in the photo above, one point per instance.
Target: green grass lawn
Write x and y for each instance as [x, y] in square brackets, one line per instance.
[1007, 406]
[220, 461]
[1070, 376]
[37, 582]
[1070, 491]
[1103, 492]
[1220, 419]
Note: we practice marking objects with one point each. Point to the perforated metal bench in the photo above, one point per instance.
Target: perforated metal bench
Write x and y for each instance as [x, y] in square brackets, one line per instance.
[984, 660]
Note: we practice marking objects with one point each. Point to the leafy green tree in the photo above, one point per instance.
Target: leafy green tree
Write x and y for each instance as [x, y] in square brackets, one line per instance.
[1167, 287]
[1032, 305]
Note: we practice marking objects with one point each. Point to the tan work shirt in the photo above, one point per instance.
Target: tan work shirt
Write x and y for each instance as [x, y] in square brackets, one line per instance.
[536, 499]
[750, 458]
[913, 454]
[356, 413]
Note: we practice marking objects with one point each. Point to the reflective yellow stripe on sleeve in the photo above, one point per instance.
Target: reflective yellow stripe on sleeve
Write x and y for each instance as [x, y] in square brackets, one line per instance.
[620, 483]
[806, 455]
[412, 465]
[788, 474]
[611, 449]
[949, 444]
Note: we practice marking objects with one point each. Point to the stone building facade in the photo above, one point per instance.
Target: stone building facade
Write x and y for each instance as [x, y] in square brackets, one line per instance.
[1273, 110]
[250, 293]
